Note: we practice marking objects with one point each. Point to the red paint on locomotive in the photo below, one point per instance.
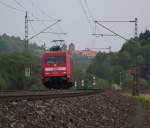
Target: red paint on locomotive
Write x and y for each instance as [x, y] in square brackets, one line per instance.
[56, 69]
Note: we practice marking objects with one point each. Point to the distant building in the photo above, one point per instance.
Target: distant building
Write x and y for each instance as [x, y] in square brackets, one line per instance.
[87, 53]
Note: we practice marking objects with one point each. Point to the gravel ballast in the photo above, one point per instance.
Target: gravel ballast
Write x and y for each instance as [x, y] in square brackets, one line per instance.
[104, 110]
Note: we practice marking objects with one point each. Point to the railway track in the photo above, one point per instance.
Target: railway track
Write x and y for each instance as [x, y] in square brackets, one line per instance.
[45, 94]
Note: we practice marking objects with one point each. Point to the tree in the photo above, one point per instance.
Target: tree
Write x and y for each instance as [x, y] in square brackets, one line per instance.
[12, 68]
[145, 35]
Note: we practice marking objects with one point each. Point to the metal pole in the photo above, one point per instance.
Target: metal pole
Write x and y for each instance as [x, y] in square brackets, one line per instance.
[136, 27]
[26, 30]
[27, 67]
[136, 88]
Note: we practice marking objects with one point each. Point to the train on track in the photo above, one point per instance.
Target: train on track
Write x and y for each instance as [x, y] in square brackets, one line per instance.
[56, 68]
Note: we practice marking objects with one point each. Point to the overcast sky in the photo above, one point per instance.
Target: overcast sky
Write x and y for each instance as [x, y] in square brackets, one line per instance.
[74, 21]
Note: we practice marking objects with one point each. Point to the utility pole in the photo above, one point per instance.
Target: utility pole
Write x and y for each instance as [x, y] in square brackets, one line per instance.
[27, 66]
[136, 27]
[135, 91]
[26, 31]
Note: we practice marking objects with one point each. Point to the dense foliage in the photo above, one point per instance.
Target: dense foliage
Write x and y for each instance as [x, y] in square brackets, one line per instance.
[108, 68]
[15, 44]
[114, 67]
[12, 71]
[13, 61]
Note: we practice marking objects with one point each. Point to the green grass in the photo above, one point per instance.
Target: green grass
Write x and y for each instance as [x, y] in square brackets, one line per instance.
[142, 104]
[138, 121]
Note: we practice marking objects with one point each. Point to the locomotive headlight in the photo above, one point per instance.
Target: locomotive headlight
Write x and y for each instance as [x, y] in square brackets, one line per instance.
[64, 72]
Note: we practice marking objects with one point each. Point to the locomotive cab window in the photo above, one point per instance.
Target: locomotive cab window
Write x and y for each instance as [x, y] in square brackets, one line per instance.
[55, 60]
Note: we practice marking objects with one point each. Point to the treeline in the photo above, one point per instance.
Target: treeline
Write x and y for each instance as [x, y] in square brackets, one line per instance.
[114, 67]
[108, 68]
[12, 71]
[14, 58]
[10, 44]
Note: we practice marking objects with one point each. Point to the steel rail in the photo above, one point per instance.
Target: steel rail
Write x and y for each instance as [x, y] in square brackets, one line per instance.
[40, 95]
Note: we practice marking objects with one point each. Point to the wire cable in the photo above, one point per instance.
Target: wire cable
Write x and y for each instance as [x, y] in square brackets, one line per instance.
[90, 13]
[50, 17]
[11, 7]
[44, 30]
[86, 15]
[40, 10]
[34, 15]
[111, 31]
[91, 18]
[34, 31]
[18, 3]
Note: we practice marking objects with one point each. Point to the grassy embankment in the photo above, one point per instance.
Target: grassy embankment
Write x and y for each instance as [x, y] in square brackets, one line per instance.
[142, 105]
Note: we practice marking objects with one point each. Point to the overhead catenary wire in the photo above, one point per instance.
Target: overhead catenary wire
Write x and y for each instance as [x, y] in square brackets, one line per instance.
[90, 13]
[120, 21]
[20, 5]
[111, 31]
[34, 31]
[44, 30]
[91, 18]
[50, 17]
[26, 10]
[102, 35]
[43, 23]
[86, 15]
[11, 7]
[56, 33]
[42, 12]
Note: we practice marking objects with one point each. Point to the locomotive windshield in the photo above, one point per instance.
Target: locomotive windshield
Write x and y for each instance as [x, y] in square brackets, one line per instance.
[55, 60]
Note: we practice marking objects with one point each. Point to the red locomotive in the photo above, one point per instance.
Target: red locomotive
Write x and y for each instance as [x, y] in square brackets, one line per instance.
[56, 69]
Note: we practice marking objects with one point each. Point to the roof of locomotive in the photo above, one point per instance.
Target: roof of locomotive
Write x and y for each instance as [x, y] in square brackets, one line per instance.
[54, 53]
